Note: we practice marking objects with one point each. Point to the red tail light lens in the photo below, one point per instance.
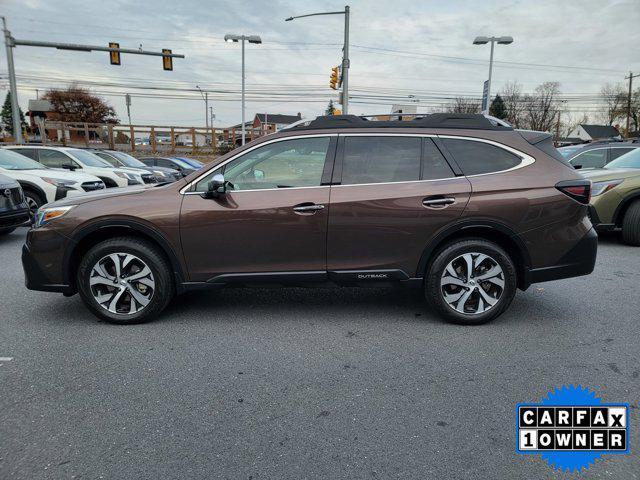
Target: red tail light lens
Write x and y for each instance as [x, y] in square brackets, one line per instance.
[579, 190]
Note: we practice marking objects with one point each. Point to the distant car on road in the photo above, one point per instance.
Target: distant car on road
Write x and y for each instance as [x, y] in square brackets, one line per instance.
[76, 159]
[14, 210]
[41, 184]
[597, 154]
[122, 159]
[615, 196]
[179, 164]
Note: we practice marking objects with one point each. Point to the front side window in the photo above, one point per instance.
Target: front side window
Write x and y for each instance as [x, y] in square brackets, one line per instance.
[369, 159]
[55, 159]
[476, 158]
[591, 158]
[285, 164]
[88, 158]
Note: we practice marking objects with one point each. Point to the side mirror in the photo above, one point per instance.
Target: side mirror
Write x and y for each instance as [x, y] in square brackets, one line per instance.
[216, 187]
[577, 166]
[69, 166]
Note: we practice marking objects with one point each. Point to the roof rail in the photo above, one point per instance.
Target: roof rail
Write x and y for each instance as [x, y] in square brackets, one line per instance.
[404, 120]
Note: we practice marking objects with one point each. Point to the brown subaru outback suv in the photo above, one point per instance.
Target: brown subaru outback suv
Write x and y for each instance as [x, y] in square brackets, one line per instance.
[461, 206]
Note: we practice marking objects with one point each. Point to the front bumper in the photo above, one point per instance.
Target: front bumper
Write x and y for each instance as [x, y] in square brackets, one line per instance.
[578, 261]
[14, 218]
[597, 223]
[42, 262]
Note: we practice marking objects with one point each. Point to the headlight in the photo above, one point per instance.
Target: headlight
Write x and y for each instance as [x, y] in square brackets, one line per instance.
[59, 183]
[45, 214]
[598, 188]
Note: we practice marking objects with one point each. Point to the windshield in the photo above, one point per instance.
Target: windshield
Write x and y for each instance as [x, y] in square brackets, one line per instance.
[628, 160]
[87, 158]
[128, 160]
[14, 161]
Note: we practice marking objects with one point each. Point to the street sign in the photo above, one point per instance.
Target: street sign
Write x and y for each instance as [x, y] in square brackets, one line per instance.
[485, 97]
[167, 61]
[114, 57]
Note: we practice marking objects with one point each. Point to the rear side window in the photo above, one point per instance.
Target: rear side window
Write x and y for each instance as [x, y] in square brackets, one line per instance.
[434, 165]
[380, 159]
[615, 152]
[476, 158]
[596, 158]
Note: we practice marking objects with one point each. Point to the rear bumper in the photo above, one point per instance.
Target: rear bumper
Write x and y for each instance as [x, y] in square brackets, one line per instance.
[580, 260]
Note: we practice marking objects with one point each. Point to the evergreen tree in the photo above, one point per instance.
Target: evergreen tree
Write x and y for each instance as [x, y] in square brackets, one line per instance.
[331, 109]
[498, 108]
[6, 115]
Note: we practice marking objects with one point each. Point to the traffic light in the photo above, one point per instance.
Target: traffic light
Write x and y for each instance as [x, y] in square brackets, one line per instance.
[167, 61]
[333, 82]
[114, 57]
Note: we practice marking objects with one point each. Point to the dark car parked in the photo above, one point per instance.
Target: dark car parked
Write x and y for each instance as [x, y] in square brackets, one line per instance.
[122, 159]
[597, 154]
[14, 210]
[466, 209]
[184, 167]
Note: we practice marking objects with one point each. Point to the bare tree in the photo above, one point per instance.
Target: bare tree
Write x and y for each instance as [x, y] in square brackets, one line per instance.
[614, 102]
[511, 95]
[541, 108]
[463, 105]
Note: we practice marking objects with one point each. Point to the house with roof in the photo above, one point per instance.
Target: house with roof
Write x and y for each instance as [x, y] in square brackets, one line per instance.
[590, 133]
[266, 123]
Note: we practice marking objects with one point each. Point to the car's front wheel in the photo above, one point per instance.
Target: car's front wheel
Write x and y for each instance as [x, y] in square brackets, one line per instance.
[631, 225]
[471, 281]
[125, 280]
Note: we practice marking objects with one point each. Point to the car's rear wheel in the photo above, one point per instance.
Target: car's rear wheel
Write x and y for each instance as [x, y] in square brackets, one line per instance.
[125, 280]
[471, 281]
[631, 225]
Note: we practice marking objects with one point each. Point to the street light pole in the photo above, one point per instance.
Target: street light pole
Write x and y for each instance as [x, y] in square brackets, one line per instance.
[15, 107]
[483, 41]
[345, 52]
[241, 38]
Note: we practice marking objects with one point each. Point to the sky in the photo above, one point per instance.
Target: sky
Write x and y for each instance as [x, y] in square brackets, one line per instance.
[401, 52]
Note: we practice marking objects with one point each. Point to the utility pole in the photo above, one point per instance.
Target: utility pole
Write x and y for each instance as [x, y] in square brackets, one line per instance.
[630, 78]
[15, 108]
[345, 53]
[205, 97]
[127, 100]
[11, 43]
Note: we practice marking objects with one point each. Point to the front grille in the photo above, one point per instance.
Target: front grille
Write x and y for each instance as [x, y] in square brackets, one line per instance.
[91, 186]
[149, 178]
[16, 195]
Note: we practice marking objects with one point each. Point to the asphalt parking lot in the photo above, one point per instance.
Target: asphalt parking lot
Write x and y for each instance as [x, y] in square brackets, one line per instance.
[279, 384]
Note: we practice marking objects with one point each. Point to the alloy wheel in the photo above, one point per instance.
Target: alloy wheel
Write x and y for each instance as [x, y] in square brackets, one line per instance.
[122, 283]
[32, 204]
[472, 283]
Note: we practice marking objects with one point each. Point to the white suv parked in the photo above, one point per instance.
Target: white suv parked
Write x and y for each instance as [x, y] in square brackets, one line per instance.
[76, 159]
[43, 185]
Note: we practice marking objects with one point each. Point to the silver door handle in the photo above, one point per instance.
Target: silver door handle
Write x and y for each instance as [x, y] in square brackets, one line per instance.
[308, 208]
[438, 202]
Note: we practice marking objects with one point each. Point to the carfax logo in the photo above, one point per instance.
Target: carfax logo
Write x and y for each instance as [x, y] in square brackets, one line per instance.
[572, 427]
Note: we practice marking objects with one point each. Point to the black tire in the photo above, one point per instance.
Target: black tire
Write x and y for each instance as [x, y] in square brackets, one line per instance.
[631, 225]
[152, 256]
[7, 231]
[434, 291]
[33, 198]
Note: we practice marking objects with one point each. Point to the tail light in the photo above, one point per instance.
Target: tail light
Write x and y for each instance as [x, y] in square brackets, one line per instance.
[579, 190]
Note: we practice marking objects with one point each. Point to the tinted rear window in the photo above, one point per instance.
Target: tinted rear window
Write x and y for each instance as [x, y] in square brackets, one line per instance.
[381, 159]
[476, 158]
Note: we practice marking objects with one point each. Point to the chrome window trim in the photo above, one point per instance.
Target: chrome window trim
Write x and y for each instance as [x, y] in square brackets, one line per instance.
[183, 190]
[525, 159]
